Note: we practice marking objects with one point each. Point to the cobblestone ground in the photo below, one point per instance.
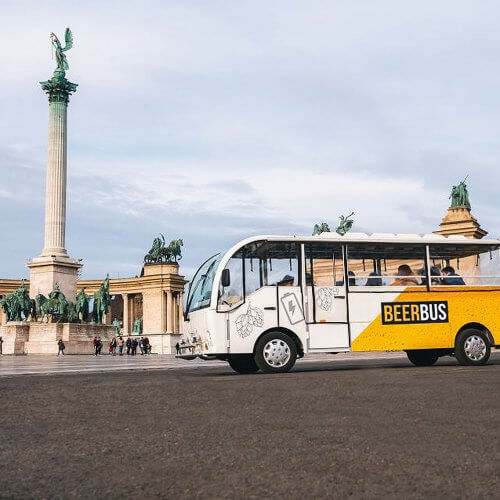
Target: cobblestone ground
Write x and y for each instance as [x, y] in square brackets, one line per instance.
[53, 364]
[359, 426]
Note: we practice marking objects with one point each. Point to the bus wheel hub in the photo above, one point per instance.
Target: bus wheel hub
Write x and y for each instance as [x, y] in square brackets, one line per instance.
[276, 353]
[475, 348]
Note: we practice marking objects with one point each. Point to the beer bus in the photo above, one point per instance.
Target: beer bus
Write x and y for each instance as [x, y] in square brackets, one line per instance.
[272, 299]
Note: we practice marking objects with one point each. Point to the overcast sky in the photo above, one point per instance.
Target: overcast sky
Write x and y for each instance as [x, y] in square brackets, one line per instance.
[215, 120]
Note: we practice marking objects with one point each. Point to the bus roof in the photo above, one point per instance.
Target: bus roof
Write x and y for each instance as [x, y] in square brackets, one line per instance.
[380, 238]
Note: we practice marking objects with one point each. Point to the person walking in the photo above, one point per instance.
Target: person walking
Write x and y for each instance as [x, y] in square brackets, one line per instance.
[134, 347]
[141, 345]
[60, 347]
[128, 344]
[99, 346]
[95, 346]
[120, 345]
[145, 343]
[177, 348]
[113, 346]
[1, 349]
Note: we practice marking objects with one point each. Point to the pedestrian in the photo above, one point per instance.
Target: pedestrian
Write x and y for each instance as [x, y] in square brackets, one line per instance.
[60, 347]
[120, 345]
[99, 345]
[128, 344]
[110, 346]
[95, 346]
[141, 345]
[1, 342]
[177, 348]
[114, 344]
[134, 347]
[145, 343]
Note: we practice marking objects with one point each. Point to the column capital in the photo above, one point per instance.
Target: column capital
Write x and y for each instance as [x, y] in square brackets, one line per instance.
[58, 88]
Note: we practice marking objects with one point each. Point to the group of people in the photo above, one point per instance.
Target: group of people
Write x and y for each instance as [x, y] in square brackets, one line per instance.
[406, 277]
[130, 345]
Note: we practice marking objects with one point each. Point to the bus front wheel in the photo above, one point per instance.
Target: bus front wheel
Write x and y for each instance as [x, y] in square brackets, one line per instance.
[423, 357]
[243, 363]
[472, 347]
[275, 352]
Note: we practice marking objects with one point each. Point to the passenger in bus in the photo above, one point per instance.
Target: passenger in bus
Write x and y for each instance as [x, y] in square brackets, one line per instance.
[435, 276]
[374, 279]
[450, 277]
[352, 280]
[286, 281]
[405, 276]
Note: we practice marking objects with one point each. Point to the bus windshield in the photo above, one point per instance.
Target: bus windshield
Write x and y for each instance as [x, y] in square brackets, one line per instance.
[200, 290]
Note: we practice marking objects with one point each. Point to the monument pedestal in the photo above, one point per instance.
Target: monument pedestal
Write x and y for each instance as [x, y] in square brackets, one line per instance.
[46, 271]
[14, 335]
[460, 221]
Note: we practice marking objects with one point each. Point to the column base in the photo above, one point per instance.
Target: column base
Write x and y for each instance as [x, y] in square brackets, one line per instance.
[45, 272]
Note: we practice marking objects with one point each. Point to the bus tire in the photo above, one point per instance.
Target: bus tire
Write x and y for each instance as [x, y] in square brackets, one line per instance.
[423, 357]
[472, 347]
[243, 363]
[275, 352]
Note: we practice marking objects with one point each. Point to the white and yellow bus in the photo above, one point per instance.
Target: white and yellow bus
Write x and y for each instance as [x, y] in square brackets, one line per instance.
[272, 299]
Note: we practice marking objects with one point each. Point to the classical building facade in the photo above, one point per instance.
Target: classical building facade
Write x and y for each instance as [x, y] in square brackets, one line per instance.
[155, 298]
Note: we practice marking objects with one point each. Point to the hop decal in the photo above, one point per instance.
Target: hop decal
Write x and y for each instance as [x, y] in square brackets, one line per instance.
[324, 298]
[245, 322]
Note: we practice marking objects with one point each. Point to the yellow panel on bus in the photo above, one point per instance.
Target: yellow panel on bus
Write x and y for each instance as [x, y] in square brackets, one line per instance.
[416, 320]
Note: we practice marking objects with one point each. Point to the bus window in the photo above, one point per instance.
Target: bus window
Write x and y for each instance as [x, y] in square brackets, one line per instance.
[376, 264]
[200, 290]
[472, 265]
[232, 295]
[282, 266]
[324, 265]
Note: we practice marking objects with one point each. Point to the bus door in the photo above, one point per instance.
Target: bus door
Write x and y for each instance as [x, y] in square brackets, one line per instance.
[325, 300]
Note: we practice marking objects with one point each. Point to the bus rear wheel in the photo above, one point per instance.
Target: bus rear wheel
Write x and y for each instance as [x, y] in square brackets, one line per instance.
[275, 352]
[423, 357]
[243, 363]
[472, 347]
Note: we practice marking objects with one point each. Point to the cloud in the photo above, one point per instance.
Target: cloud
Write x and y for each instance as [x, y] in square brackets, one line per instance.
[212, 121]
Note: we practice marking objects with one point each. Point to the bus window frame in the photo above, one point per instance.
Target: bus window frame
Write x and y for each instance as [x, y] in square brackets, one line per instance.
[303, 289]
[262, 271]
[389, 288]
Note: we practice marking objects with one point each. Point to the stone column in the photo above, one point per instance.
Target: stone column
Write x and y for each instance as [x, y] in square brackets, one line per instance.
[181, 315]
[53, 265]
[126, 327]
[169, 312]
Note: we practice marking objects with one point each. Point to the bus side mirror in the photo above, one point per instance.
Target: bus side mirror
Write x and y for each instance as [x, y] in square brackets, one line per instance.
[225, 278]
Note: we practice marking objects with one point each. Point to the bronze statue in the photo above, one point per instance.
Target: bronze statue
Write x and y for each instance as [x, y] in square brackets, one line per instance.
[117, 327]
[18, 306]
[460, 196]
[56, 307]
[345, 224]
[102, 301]
[82, 306]
[159, 252]
[62, 62]
[137, 327]
[321, 228]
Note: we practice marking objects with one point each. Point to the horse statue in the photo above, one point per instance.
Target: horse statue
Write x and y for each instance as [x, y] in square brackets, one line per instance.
[174, 250]
[321, 228]
[17, 305]
[102, 301]
[157, 250]
[55, 307]
[345, 224]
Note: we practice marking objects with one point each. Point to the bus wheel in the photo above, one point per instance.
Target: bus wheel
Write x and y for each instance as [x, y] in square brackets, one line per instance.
[472, 347]
[275, 352]
[243, 363]
[423, 357]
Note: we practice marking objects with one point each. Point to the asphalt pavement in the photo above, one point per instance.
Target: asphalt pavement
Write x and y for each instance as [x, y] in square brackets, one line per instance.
[371, 428]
